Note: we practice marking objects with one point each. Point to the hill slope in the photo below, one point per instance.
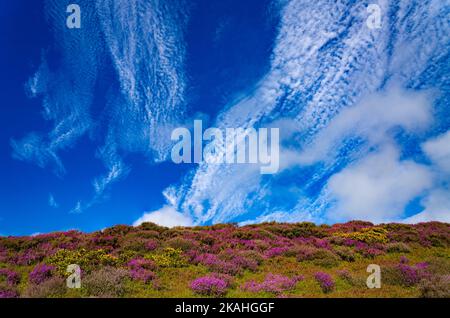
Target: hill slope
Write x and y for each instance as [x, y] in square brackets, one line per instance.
[224, 260]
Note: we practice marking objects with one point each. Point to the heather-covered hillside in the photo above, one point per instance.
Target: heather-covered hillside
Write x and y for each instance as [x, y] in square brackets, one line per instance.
[264, 260]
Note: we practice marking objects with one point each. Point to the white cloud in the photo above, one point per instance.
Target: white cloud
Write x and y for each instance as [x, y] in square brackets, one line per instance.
[378, 187]
[438, 150]
[166, 216]
[437, 202]
[324, 60]
[372, 119]
[437, 208]
[77, 209]
[135, 118]
[374, 184]
[313, 82]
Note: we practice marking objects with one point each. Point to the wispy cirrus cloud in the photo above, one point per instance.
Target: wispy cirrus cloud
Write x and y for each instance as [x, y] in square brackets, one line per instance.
[144, 42]
[52, 202]
[324, 61]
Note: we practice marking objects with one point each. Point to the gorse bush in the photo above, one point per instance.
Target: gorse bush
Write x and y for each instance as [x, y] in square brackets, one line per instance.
[169, 257]
[368, 235]
[86, 259]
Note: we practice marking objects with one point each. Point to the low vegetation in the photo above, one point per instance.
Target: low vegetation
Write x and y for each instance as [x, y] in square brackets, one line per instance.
[226, 260]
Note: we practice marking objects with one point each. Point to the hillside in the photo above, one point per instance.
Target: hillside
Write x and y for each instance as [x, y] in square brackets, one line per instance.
[225, 260]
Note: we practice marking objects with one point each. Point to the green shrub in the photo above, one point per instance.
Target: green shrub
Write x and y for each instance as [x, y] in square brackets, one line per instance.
[304, 229]
[149, 226]
[319, 257]
[345, 253]
[351, 279]
[391, 275]
[118, 230]
[325, 258]
[397, 247]
[181, 243]
[136, 244]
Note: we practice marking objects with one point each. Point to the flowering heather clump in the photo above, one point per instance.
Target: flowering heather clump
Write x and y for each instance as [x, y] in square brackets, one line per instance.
[141, 269]
[27, 257]
[325, 281]
[209, 286]
[370, 252]
[404, 259]
[141, 262]
[344, 274]
[142, 274]
[104, 242]
[214, 263]
[40, 273]
[275, 251]
[273, 283]
[8, 293]
[412, 275]
[11, 277]
[245, 263]
[151, 245]
[321, 243]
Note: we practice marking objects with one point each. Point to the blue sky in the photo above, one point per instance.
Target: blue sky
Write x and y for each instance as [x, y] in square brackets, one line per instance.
[87, 113]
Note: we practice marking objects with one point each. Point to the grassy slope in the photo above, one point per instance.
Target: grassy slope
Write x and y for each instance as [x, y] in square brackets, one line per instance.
[425, 242]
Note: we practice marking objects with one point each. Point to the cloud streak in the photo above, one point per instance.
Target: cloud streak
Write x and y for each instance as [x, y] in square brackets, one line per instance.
[143, 40]
[325, 60]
